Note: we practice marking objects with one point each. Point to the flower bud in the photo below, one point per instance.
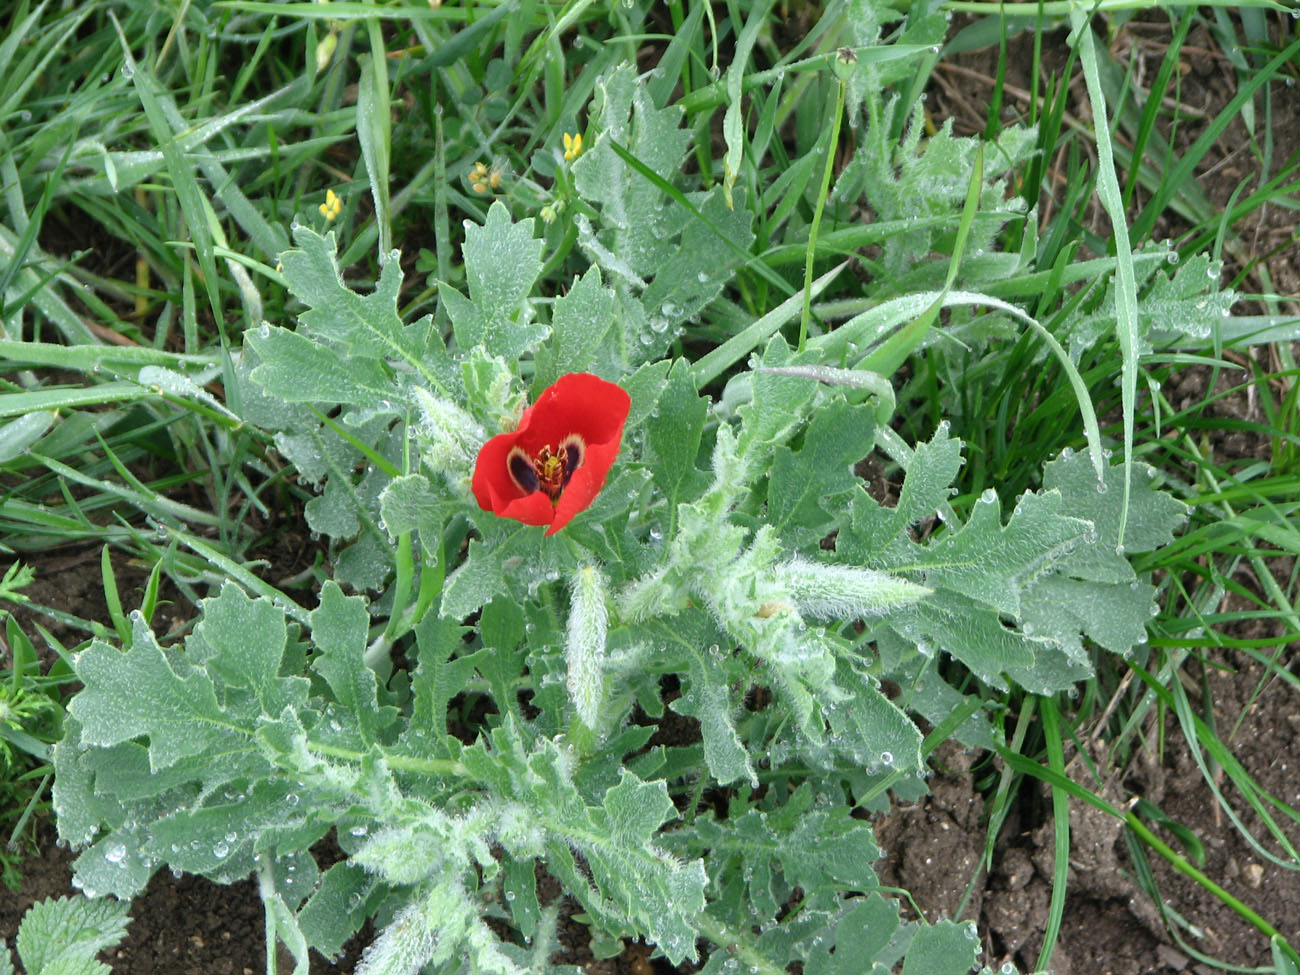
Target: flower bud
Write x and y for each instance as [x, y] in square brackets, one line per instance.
[824, 590]
[449, 438]
[585, 650]
[325, 48]
[843, 62]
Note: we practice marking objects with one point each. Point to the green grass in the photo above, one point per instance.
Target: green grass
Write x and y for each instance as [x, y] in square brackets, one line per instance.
[151, 170]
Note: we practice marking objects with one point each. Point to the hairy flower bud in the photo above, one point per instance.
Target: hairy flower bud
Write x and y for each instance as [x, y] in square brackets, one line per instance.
[824, 590]
[450, 438]
[585, 649]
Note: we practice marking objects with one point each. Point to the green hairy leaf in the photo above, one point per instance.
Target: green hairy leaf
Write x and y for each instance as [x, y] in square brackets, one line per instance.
[138, 693]
[63, 936]
[646, 244]
[502, 260]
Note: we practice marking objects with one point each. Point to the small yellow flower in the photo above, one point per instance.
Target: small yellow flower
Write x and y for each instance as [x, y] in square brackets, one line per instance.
[572, 146]
[485, 180]
[332, 206]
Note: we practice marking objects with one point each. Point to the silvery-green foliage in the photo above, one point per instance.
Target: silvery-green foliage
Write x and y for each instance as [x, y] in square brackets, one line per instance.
[863, 22]
[648, 246]
[733, 572]
[62, 936]
[1176, 302]
[916, 182]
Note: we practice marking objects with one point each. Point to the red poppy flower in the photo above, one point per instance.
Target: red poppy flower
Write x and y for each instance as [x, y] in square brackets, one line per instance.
[556, 461]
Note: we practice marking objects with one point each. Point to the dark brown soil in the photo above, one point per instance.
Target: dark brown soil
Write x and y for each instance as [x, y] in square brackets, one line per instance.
[1110, 925]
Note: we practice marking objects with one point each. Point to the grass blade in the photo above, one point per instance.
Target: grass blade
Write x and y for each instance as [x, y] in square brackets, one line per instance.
[1126, 317]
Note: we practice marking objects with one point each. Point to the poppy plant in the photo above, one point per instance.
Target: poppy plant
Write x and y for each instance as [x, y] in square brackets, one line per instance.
[555, 462]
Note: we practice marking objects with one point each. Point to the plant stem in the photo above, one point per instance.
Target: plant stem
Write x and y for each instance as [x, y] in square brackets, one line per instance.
[817, 215]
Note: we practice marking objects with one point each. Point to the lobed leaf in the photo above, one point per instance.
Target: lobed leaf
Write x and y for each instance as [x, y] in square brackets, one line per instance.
[139, 692]
[69, 932]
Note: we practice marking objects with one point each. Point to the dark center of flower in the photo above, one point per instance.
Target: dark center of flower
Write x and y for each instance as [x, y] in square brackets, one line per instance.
[549, 470]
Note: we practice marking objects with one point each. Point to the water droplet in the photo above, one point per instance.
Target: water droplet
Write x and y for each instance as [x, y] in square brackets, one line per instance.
[221, 850]
[128, 70]
[361, 830]
[886, 758]
[116, 853]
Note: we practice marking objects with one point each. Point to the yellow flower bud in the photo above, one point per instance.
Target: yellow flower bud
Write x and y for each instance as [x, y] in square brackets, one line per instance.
[332, 206]
[484, 180]
[572, 146]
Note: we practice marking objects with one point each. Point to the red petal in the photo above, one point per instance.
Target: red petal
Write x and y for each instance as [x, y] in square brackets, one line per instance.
[493, 486]
[531, 509]
[577, 403]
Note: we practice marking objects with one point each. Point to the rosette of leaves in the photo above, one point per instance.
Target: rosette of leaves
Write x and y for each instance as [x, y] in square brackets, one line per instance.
[733, 585]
